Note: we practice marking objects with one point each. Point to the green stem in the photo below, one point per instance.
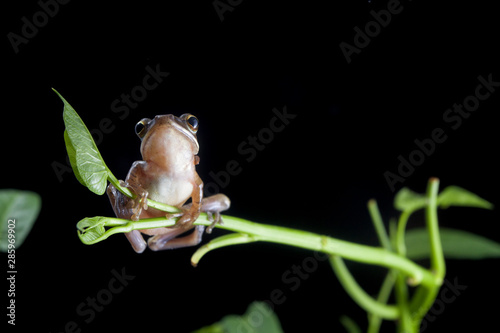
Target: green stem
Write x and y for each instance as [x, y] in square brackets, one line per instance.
[400, 287]
[350, 325]
[222, 241]
[401, 231]
[437, 256]
[426, 295]
[375, 321]
[359, 295]
[401, 292]
[282, 235]
[378, 224]
[315, 242]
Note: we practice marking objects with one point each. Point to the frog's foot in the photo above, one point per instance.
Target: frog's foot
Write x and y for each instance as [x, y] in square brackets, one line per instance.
[140, 203]
[215, 218]
[170, 216]
[186, 218]
[213, 206]
[170, 240]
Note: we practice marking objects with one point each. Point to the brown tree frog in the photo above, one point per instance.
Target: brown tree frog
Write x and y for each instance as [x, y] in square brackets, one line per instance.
[166, 174]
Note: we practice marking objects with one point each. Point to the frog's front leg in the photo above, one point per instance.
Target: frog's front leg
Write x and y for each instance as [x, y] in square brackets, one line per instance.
[133, 182]
[189, 213]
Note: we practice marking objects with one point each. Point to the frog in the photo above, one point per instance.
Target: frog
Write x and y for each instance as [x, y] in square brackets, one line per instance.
[167, 174]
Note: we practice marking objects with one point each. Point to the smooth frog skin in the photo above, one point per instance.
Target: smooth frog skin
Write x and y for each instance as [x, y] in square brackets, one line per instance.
[166, 174]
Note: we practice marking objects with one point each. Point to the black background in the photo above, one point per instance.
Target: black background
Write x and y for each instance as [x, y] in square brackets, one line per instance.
[352, 122]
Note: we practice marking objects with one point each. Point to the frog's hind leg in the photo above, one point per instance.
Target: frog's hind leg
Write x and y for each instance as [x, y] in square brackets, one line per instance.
[136, 240]
[168, 241]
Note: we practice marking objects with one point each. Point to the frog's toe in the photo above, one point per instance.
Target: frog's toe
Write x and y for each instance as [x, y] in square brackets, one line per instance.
[215, 218]
[171, 216]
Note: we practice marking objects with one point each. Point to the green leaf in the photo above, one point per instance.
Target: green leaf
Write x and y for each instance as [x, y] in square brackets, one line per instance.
[91, 169]
[258, 318]
[457, 196]
[21, 206]
[72, 157]
[91, 228]
[457, 244]
[407, 200]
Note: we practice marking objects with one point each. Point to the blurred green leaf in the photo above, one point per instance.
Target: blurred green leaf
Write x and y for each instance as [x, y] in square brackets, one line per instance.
[407, 200]
[215, 328]
[21, 206]
[91, 170]
[457, 196]
[258, 318]
[457, 244]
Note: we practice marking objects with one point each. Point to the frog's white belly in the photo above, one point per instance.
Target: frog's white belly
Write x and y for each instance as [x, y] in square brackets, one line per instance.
[171, 191]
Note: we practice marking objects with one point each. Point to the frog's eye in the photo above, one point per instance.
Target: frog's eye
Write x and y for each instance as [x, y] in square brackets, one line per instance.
[191, 121]
[141, 128]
